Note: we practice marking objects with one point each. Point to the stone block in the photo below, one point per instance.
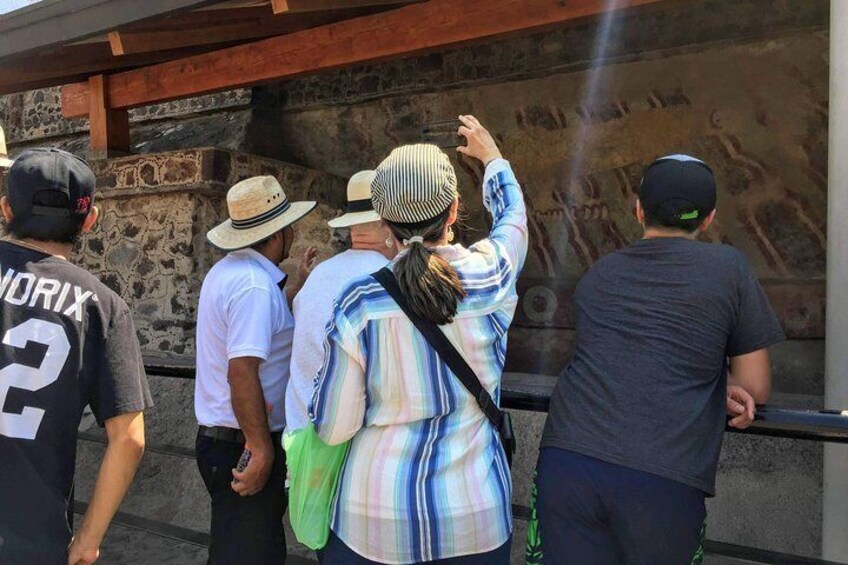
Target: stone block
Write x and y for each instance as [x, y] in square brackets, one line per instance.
[155, 211]
[37, 114]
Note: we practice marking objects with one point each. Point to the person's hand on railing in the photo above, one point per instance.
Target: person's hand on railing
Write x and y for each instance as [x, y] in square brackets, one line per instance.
[740, 407]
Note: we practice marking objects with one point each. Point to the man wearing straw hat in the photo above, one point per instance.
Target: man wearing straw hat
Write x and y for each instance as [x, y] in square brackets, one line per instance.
[244, 340]
[371, 248]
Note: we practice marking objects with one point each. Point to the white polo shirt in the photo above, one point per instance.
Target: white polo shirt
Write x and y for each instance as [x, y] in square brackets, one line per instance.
[242, 313]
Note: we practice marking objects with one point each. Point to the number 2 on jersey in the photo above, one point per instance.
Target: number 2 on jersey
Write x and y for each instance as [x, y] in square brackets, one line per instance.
[25, 425]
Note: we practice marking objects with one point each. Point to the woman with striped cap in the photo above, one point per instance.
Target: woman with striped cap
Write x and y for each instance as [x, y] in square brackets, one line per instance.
[427, 478]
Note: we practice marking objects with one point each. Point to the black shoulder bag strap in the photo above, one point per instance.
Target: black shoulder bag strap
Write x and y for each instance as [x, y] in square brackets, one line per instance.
[452, 358]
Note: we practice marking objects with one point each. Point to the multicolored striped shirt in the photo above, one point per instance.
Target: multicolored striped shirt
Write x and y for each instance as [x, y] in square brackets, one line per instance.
[426, 477]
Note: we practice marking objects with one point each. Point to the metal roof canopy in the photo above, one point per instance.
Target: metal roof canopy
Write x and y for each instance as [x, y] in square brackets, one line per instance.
[55, 22]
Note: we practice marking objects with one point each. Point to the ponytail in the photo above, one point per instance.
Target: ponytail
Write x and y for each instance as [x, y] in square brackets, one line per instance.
[429, 283]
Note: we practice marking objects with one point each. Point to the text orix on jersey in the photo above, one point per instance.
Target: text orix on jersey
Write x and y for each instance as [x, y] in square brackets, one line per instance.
[50, 294]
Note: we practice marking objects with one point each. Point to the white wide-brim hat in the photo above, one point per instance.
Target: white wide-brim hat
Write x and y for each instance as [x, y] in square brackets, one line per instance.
[360, 209]
[5, 162]
[258, 209]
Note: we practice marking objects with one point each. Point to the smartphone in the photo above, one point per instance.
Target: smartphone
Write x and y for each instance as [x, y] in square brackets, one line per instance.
[442, 134]
[243, 461]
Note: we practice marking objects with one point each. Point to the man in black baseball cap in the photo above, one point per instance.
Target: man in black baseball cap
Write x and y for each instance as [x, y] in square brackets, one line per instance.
[68, 341]
[672, 335]
[677, 192]
[50, 196]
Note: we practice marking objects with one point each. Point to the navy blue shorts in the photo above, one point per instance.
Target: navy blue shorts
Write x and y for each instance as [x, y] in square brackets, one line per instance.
[591, 511]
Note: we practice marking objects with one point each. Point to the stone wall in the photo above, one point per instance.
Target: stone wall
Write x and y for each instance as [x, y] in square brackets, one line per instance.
[741, 84]
[151, 245]
[756, 111]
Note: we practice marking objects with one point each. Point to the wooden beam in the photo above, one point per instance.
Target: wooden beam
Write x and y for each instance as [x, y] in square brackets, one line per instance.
[294, 6]
[110, 128]
[133, 40]
[412, 29]
[75, 63]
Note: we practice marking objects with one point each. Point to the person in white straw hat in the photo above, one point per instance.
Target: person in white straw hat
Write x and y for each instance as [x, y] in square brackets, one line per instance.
[244, 341]
[426, 477]
[371, 249]
[5, 162]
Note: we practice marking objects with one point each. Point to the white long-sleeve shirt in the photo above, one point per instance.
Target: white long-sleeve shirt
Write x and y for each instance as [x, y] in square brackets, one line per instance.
[313, 308]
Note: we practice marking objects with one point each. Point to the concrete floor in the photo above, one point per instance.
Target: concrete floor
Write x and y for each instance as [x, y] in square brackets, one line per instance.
[125, 546]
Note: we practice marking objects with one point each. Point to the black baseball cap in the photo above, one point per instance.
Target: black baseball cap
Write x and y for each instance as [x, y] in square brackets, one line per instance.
[679, 177]
[50, 170]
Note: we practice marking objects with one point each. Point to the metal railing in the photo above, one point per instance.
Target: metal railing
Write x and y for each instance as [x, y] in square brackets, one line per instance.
[521, 391]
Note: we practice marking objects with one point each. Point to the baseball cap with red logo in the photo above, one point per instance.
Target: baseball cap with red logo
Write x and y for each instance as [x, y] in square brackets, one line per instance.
[50, 182]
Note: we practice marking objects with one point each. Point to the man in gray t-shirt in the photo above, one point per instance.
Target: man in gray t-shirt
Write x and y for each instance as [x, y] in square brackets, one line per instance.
[671, 333]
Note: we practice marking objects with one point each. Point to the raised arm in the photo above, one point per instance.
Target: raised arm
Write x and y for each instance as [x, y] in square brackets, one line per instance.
[338, 402]
[502, 195]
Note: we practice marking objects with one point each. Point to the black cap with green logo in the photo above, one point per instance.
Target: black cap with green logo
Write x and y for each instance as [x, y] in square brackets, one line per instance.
[681, 178]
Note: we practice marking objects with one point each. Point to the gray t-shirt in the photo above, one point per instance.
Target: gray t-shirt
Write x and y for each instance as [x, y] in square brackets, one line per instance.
[646, 387]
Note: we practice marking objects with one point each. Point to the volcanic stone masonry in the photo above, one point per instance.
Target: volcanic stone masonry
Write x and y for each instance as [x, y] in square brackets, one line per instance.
[743, 85]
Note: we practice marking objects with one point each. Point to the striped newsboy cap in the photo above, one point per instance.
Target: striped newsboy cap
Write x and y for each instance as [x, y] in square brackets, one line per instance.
[413, 184]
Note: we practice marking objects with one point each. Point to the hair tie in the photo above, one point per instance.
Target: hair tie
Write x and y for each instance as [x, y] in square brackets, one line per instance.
[413, 239]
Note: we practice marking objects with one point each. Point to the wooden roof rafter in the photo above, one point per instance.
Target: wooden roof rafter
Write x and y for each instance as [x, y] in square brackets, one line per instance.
[76, 62]
[224, 26]
[426, 26]
[51, 23]
[301, 6]
[60, 50]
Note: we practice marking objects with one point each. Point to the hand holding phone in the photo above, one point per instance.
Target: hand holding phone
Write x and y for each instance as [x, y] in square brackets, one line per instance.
[443, 134]
[481, 145]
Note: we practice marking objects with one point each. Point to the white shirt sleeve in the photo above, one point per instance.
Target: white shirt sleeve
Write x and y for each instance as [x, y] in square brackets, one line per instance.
[249, 324]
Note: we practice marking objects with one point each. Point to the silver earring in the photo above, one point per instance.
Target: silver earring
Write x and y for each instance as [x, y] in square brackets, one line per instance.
[389, 243]
[450, 235]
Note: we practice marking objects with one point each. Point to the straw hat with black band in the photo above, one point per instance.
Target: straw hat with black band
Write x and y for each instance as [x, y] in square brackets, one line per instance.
[258, 208]
[5, 162]
[360, 208]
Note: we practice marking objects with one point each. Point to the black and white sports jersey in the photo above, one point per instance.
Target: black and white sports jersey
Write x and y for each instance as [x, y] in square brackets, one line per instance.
[67, 341]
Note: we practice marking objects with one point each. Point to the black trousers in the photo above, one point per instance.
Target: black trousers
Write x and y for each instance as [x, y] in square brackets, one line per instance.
[245, 529]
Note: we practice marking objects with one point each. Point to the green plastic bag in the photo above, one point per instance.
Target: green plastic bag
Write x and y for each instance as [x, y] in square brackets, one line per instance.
[314, 469]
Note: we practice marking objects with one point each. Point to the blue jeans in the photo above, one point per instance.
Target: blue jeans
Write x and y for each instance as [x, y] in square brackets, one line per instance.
[599, 513]
[337, 553]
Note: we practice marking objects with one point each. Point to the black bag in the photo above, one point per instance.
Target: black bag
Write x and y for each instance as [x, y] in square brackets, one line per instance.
[452, 358]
